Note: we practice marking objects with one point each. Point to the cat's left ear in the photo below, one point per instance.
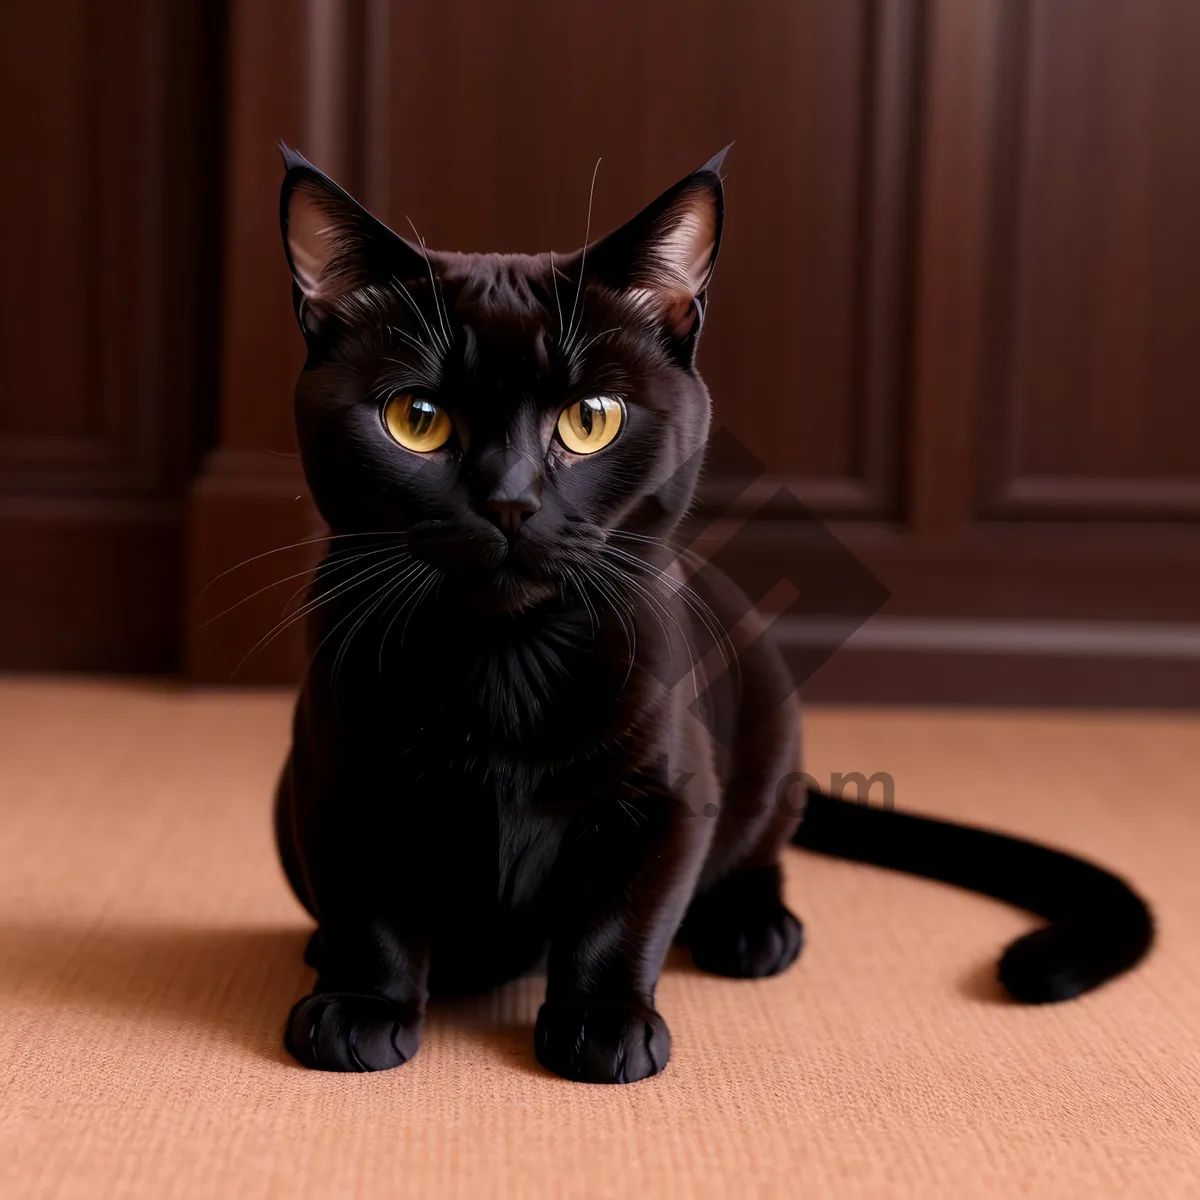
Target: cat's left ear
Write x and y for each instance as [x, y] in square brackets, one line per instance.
[664, 258]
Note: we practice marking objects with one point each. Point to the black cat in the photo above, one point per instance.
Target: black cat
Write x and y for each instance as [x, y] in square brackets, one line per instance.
[508, 743]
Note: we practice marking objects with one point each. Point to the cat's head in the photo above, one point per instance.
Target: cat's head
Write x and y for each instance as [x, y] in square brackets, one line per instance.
[508, 413]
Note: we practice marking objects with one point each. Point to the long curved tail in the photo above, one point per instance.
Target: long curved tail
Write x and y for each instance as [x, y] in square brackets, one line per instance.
[1099, 926]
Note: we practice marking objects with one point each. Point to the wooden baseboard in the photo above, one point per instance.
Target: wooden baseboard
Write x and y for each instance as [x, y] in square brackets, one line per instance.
[1070, 664]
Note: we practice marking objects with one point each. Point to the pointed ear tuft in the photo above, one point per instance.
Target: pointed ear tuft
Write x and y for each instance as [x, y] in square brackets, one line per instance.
[293, 159]
[717, 161]
[663, 259]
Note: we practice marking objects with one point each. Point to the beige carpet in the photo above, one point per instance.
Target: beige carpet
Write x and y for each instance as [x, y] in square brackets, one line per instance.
[149, 952]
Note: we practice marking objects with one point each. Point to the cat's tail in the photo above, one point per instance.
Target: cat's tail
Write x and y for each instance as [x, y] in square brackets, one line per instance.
[1099, 926]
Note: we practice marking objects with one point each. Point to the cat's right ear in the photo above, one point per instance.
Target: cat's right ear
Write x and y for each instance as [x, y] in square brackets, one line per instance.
[334, 246]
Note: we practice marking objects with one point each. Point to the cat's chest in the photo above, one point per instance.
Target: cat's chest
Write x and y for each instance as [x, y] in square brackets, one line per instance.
[489, 829]
[494, 770]
[490, 749]
[534, 703]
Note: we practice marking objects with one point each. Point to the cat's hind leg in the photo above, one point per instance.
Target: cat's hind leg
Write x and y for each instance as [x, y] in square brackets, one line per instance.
[740, 926]
[737, 923]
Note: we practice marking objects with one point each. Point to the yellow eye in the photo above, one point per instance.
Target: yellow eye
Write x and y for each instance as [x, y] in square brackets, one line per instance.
[416, 423]
[589, 425]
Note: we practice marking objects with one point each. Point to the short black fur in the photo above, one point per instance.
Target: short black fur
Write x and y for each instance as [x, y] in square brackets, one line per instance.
[498, 752]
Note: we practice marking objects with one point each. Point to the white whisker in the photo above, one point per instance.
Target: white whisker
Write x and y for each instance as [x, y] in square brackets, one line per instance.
[439, 301]
[587, 237]
[286, 578]
[424, 569]
[324, 598]
[408, 296]
[313, 541]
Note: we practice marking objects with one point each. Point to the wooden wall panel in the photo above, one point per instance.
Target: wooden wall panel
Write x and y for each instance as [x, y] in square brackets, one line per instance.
[1093, 359]
[988, 390]
[107, 236]
[249, 498]
[69, 337]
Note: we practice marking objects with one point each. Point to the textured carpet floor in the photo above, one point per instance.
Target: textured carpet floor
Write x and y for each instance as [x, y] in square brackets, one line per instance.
[149, 951]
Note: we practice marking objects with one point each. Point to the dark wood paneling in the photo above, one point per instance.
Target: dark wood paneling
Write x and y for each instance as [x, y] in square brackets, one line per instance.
[1021, 504]
[107, 235]
[956, 312]
[261, 348]
[73, 310]
[243, 504]
[1092, 366]
[1051, 408]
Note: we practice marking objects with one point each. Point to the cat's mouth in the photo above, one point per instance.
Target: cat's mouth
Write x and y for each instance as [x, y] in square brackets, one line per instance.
[482, 570]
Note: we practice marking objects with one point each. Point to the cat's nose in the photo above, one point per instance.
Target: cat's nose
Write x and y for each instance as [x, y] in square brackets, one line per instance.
[510, 515]
[515, 496]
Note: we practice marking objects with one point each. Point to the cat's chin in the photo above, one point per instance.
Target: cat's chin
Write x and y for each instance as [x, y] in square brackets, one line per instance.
[506, 592]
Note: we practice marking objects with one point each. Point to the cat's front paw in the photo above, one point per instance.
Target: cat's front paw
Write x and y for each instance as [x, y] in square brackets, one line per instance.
[599, 1042]
[348, 1031]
